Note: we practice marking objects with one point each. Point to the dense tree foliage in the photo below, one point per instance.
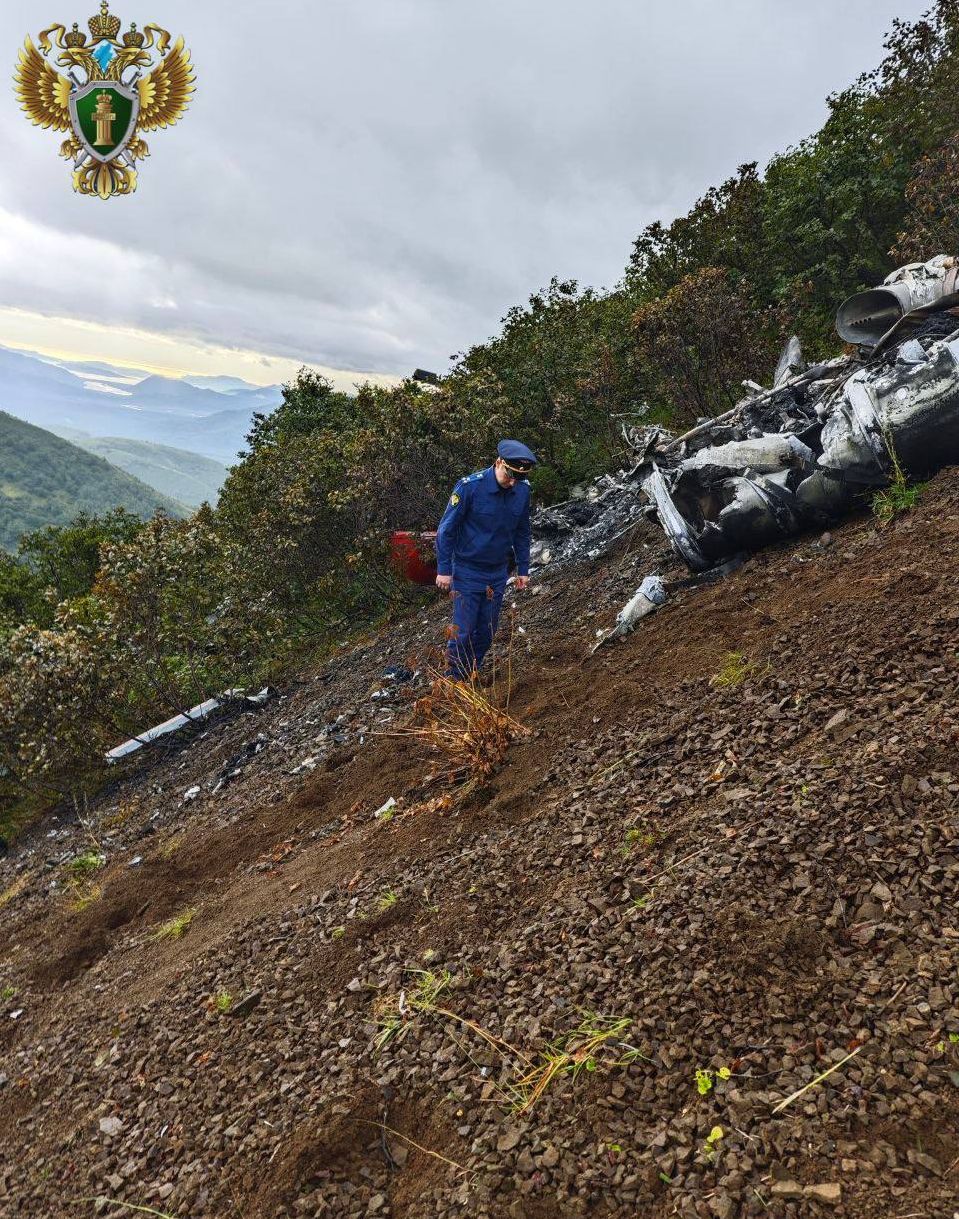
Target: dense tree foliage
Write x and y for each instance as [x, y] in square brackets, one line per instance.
[57, 564]
[106, 624]
[555, 375]
[696, 343]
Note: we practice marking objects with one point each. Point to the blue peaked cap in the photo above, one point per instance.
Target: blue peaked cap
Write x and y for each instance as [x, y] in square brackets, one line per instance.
[513, 450]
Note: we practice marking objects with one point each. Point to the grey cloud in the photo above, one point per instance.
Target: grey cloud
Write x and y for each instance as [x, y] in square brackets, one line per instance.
[370, 185]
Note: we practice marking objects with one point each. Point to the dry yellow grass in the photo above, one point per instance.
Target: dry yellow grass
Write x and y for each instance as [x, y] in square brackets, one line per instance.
[84, 896]
[458, 719]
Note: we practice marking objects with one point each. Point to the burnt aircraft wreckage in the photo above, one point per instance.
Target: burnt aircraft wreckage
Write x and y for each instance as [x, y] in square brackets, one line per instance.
[796, 455]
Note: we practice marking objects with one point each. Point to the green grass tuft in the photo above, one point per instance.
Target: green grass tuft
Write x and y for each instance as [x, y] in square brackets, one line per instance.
[388, 899]
[83, 866]
[395, 1012]
[899, 496]
[570, 1055]
[895, 500]
[175, 927]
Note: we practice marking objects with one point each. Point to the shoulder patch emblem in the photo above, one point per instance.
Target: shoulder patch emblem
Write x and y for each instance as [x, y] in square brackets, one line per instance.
[454, 499]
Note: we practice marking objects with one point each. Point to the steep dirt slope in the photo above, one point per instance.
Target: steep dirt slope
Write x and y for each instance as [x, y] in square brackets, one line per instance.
[758, 879]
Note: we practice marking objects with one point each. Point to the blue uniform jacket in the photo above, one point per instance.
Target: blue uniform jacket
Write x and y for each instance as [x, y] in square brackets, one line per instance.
[482, 523]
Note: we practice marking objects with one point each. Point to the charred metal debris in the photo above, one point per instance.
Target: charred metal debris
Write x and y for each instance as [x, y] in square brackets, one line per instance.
[797, 454]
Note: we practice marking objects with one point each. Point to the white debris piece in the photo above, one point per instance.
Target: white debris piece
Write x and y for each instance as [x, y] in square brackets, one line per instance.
[201, 712]
[650, 595]
[385, 808]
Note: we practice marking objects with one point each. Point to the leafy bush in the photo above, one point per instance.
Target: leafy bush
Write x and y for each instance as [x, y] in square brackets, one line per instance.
[56, 694]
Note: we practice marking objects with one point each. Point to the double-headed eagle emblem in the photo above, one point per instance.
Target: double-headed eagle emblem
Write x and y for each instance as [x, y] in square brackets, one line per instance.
[114, 90]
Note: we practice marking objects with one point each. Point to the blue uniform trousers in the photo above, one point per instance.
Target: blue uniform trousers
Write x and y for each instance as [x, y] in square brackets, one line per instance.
[477, 600]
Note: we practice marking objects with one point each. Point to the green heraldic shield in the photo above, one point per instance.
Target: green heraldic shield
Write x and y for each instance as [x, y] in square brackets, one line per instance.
[114, 89]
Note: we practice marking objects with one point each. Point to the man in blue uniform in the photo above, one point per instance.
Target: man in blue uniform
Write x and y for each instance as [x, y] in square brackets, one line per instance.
[486, 520]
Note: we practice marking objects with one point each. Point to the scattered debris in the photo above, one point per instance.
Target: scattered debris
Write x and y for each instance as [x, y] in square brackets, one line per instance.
[586, 526]
[234, 767]
[394, 677]
[385, 811]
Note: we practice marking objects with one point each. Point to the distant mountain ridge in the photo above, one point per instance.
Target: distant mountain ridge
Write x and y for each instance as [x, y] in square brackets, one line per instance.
[160, 410]
[189, 478]
[222, 385]
[97, 368]
[45, 480]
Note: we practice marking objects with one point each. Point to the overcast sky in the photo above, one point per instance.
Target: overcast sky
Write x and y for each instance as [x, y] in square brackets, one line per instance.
[368, 185]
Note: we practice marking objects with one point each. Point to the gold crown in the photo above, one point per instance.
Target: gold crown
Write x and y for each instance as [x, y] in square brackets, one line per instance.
[132, 38]
[104, 25]
[76, 37]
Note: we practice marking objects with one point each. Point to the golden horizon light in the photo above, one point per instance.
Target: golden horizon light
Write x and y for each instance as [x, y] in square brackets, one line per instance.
[76, 340]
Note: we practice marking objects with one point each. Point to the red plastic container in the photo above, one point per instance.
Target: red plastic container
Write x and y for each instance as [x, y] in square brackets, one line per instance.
[414, 555]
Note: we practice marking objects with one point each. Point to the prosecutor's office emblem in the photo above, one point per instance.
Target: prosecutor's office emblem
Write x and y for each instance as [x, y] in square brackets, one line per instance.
[113, 90]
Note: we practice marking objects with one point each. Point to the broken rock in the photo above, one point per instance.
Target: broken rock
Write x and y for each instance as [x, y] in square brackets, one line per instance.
[830, 1194]
[786, 1189]
[509, 1139]
[839, 725]
[246, 1005]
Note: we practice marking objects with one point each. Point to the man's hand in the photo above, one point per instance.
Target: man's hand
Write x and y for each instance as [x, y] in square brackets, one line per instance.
[444, 583]
[522, 582]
